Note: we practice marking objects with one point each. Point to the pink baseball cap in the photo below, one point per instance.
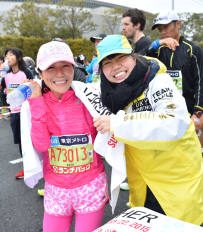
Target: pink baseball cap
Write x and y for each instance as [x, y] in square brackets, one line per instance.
[53, 52]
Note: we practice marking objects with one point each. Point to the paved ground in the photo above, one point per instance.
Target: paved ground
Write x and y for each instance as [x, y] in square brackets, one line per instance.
[21, 207]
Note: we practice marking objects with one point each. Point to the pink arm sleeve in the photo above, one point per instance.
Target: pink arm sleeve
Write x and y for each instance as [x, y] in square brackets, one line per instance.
[39, 131]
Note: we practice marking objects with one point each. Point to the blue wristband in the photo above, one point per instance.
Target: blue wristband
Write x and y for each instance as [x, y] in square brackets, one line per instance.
[156, 44]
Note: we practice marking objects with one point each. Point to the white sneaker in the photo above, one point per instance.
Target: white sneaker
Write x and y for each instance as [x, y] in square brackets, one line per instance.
[124, 186]
[128, 204]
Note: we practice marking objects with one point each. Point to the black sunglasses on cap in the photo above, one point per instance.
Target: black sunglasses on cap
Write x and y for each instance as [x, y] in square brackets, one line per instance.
[57, 39]
[60, 40]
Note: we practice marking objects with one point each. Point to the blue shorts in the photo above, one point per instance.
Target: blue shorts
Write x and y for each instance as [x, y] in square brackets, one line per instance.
[15, 125]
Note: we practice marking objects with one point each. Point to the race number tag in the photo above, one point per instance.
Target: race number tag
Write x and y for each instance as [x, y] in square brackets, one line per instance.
[71, 154]
[145, 220]
[11, 87]
[177, 79]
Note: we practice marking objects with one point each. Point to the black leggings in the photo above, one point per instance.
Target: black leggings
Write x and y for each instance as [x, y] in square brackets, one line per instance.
[20, 149]
[152, 203]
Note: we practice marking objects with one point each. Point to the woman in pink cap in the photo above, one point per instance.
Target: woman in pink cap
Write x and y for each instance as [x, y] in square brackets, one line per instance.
[62, 128]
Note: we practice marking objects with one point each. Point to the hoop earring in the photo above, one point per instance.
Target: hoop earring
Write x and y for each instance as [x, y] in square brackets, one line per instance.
[46, 90]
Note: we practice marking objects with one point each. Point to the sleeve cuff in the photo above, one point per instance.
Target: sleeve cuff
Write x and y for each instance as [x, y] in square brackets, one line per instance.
[37, 107]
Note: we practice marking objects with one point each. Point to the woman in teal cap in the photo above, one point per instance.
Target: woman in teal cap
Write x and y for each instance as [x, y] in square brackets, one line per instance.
[163, 153]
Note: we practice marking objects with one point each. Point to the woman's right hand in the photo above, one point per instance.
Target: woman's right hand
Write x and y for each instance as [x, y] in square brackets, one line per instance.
[38, 91]
[2, 67]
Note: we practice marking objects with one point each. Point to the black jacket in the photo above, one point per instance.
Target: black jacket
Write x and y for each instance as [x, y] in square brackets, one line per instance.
[187, 58]
[80, 73]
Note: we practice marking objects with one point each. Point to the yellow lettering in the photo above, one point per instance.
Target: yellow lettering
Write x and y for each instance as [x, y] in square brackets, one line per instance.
[143, 116]
[171, 106]
[132, 117]
[126, 117]
[162, 116]
[153, 115]
[171, 115]
[137, 115]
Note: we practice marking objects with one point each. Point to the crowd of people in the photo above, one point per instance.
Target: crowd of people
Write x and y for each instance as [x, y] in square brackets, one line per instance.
[154, 95]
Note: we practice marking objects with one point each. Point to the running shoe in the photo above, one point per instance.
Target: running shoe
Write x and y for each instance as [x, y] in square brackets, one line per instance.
[20, 174]
[124, 186]
[128, 204]
[41, 192]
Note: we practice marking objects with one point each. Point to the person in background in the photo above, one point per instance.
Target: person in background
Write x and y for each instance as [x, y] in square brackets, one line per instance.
[80, 61]
[94, 56]
[134, 21]
[184, 62]
[16, 74]
[3, 93]
[92, 68]
[89, 78]
[31, 66]
[163, 154]
[1, 89]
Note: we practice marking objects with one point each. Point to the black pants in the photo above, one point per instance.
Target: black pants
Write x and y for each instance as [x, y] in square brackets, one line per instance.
[15, 125]
[152, 203]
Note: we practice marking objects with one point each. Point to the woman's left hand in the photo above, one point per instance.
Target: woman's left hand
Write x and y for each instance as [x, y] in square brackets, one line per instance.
[102, 123]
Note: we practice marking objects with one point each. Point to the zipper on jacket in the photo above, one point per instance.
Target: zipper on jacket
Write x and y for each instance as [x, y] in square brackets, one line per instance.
[171, 59]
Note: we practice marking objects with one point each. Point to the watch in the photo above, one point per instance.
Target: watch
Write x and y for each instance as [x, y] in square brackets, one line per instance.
[198, 113]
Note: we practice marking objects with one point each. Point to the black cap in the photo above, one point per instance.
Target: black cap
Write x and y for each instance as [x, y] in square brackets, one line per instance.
[100, 36]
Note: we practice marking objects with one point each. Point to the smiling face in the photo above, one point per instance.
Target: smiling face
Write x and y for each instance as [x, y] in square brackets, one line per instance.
[58, 77]
[118, 68]
[171, 30]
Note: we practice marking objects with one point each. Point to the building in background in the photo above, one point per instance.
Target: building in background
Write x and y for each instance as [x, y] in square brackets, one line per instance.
[95, 8]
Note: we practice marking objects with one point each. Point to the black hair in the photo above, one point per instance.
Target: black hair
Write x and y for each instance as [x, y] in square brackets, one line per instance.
[136, 16]
[19, 56]
[39, 70]
[94, 54]
[2, 58]
[174, 21]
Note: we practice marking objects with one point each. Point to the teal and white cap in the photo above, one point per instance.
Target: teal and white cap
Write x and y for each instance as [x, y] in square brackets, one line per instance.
[113, 44]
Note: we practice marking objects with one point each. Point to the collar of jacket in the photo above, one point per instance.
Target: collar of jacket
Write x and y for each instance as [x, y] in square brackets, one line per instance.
[180, 39]
[66, 96]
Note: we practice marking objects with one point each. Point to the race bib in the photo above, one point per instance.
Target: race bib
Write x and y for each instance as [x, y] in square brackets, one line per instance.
[11, 87]
[71, 154]
[177, 79]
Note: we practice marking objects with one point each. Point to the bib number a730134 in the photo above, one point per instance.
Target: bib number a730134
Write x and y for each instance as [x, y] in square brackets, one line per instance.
[71, 157]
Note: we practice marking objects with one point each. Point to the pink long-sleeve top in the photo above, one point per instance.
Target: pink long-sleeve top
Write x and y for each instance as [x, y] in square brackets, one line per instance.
[68, 116]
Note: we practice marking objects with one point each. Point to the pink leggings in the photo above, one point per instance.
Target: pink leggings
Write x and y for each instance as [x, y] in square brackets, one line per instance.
[83, 222]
